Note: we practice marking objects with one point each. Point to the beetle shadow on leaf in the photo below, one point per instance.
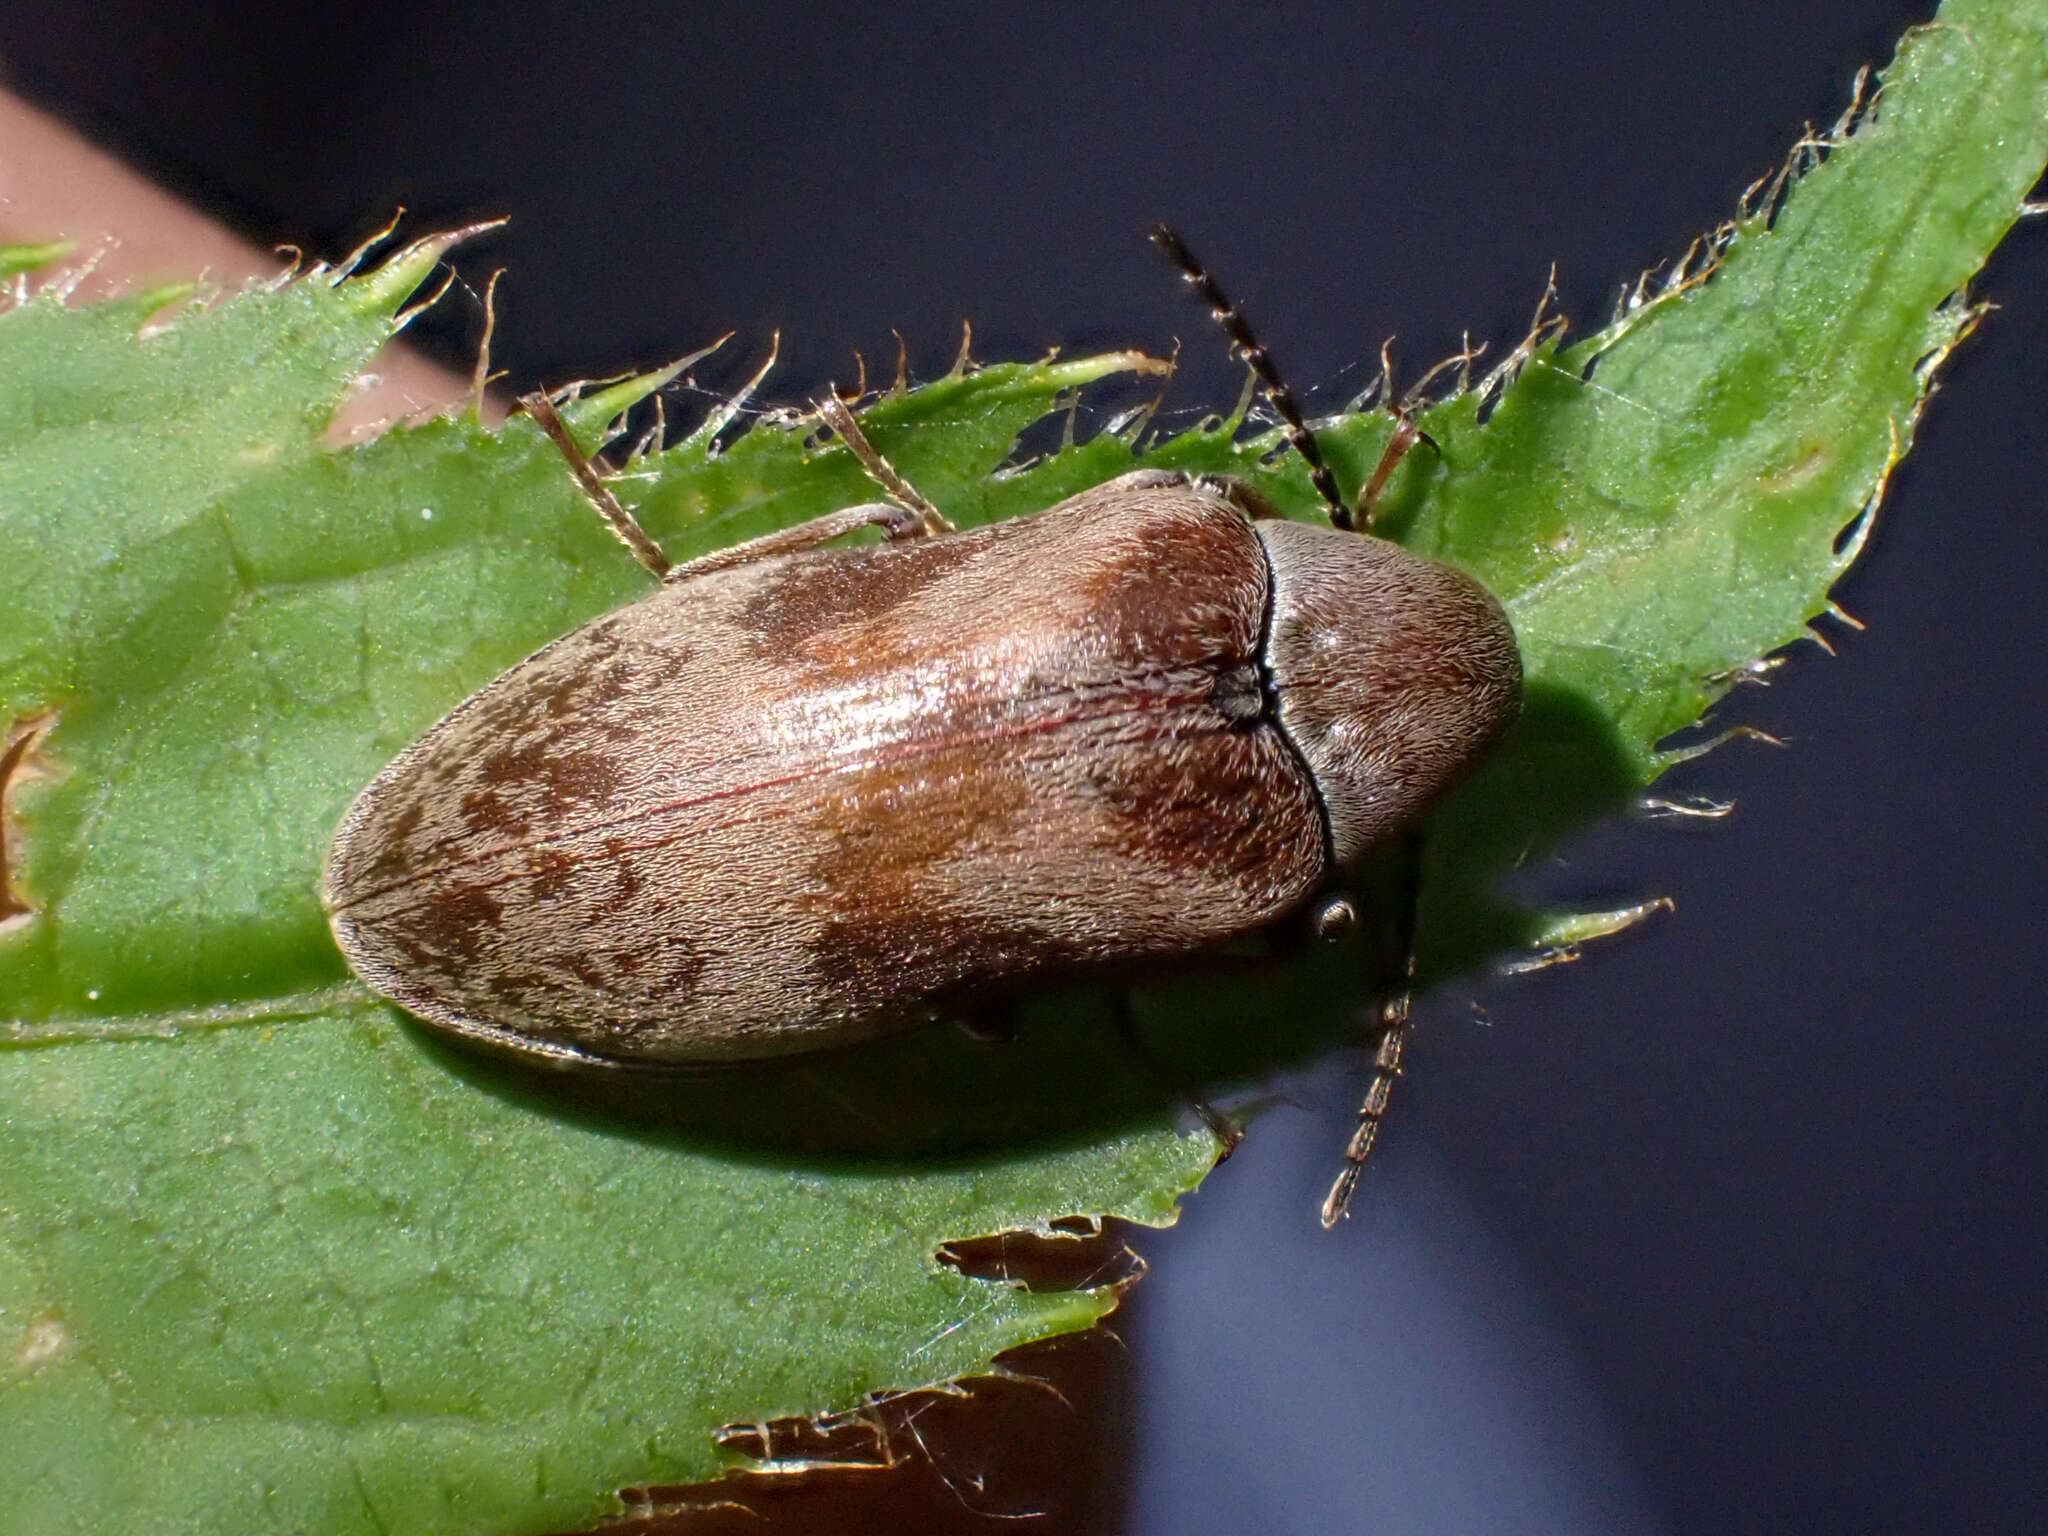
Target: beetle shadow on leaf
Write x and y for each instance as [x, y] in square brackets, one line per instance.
[1562, 765]
[1071, 1075]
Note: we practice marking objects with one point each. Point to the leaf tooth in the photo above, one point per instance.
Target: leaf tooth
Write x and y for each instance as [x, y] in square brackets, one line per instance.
[589, 413]
[17, 259]
[381, 290]
[150, 301]
[1558, 941]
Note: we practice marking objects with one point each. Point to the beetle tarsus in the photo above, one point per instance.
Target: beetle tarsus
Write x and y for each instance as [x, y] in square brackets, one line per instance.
[1386, 1064]
[1224, 1128]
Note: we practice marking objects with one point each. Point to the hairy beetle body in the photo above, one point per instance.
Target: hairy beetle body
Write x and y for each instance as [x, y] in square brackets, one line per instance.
[817, 797]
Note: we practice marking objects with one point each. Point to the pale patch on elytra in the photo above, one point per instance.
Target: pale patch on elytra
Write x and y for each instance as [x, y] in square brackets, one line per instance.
[42, 1341]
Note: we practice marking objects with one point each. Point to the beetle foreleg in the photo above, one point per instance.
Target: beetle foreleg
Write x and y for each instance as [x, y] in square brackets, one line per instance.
[1406, 436]
[1393, 1016]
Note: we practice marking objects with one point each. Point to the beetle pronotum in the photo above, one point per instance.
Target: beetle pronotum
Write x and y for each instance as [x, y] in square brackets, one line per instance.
[799, 797]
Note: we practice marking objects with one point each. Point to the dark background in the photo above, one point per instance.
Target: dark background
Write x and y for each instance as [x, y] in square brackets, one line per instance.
[1735, 1226]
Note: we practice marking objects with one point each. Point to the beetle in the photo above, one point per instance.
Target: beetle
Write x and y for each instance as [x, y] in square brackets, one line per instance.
[803, 796]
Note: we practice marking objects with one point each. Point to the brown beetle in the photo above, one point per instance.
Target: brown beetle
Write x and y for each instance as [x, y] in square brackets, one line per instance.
[799, 797]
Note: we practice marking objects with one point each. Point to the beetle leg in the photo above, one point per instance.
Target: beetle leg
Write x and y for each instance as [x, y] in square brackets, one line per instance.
[623, 523]
[1228, 1132]
[1406, 436]
[926, 518]
[1393, 1016]
[887, 516]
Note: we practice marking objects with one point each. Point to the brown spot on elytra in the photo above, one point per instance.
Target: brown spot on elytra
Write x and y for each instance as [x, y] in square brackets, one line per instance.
[451, 921]
[586, 683]
[1221, 804]
[571, 680]
[514, 988]
[389, 849]
[883, 829]
[848, 590]
[674, 962]
[626, 881]
[564, 780]
[486, 810]
[608, 683]
[17, 765]
[1194, 593]
[887, 836]
[563, 693]
[594, 997]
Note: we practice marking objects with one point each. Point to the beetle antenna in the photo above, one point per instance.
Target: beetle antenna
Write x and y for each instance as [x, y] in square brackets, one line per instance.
[1254, 352]
[609, 507]
[1394, 1013]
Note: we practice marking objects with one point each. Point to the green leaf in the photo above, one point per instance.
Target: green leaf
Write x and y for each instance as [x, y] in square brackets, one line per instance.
[267, 1250]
